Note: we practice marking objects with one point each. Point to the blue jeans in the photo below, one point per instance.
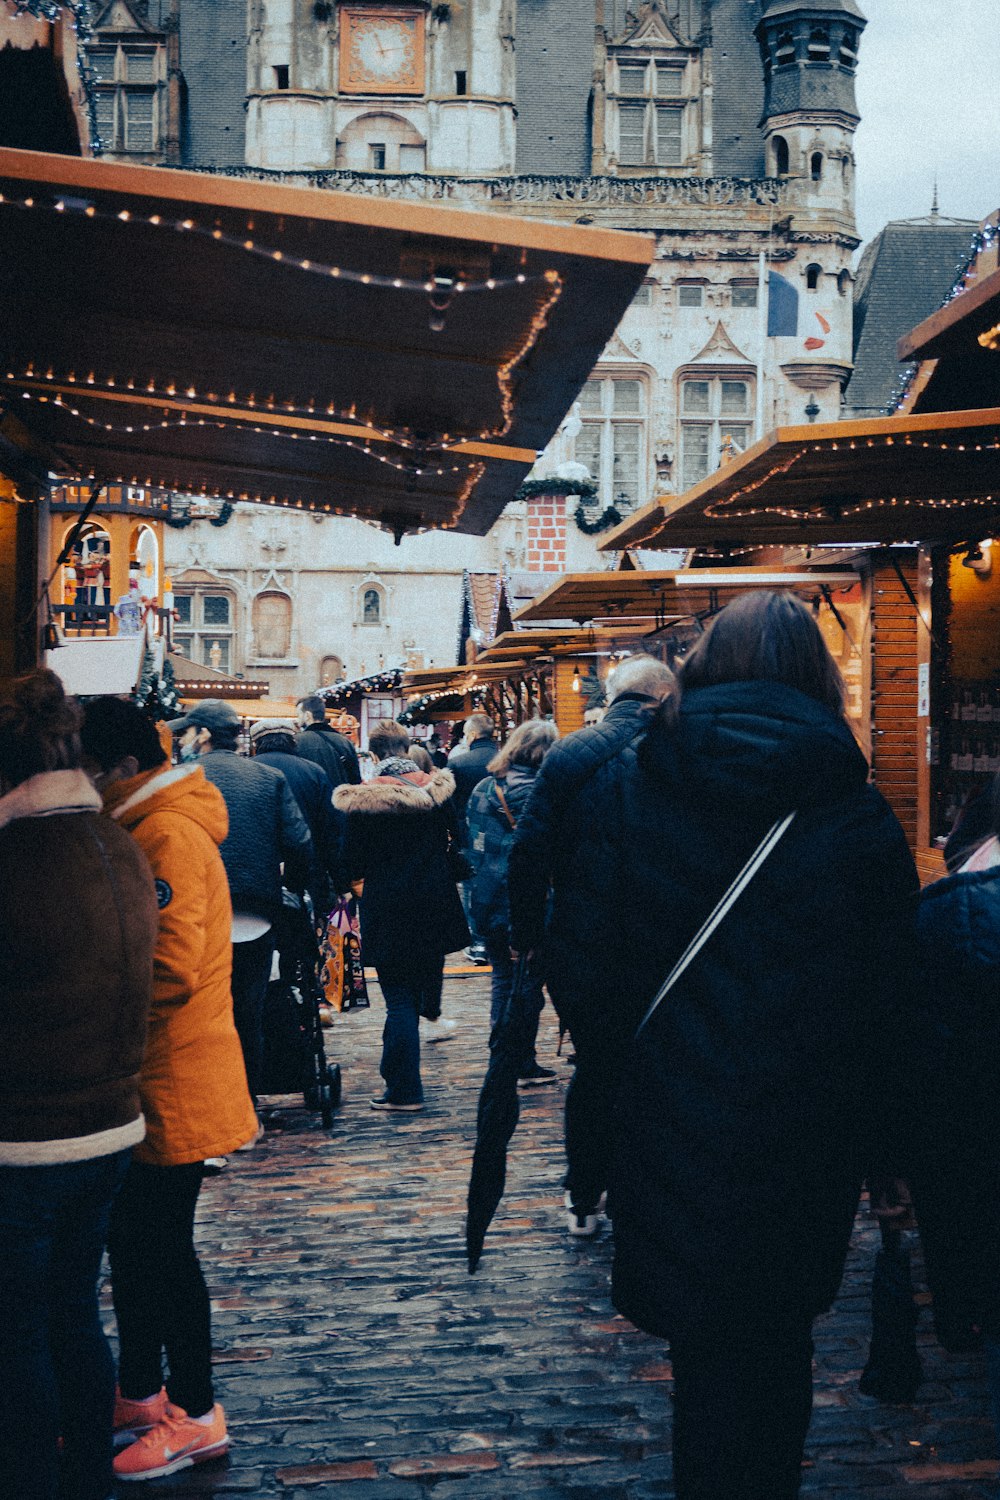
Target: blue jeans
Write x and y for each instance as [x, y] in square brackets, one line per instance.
[57, 1377]
[407, 996]
[502, 982]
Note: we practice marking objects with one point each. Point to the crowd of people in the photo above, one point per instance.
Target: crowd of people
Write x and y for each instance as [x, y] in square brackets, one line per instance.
[764, 1013]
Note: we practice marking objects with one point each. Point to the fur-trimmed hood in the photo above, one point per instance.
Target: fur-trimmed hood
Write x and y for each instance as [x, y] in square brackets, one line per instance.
[416, 792]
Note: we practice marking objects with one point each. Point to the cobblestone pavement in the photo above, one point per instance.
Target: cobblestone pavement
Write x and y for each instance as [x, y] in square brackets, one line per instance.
[357, 1357]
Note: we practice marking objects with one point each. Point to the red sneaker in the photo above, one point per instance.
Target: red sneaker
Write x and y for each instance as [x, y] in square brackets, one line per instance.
[176, 1442]
[132, 1418]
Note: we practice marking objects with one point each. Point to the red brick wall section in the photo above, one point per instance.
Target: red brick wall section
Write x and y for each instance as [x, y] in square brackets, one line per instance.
[546, 534]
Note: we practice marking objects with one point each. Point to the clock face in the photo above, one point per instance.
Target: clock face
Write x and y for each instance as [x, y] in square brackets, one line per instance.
[382, 51]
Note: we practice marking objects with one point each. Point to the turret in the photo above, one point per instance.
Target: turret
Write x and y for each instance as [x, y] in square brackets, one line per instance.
[810, 53]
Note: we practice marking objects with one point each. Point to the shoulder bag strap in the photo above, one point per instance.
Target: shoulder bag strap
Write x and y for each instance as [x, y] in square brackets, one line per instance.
[767, 844]
[503, 803]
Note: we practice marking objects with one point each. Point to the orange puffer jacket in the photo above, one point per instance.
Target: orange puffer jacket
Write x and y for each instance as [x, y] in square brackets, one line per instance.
[193, 1082]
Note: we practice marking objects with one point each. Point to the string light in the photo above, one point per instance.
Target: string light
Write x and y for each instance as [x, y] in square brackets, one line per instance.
[223, 426]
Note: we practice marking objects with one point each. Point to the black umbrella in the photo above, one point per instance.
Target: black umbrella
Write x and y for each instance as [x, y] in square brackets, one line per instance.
[496, 1120]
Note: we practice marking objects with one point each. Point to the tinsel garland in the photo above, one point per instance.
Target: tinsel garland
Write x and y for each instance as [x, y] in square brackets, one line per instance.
[608, 517]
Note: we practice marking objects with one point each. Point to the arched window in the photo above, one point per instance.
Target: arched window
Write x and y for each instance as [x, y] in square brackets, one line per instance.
[813, 273]
[785, 53]
[371, 607]
[849, 48]
[844, 282]
[819, 44]
[381, 142]
[816, 166]
[331, 669]
[272, 625]
[780, 156]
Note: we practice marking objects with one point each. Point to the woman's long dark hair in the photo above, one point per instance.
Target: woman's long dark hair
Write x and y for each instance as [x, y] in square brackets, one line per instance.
[39, 728]
[766, 636]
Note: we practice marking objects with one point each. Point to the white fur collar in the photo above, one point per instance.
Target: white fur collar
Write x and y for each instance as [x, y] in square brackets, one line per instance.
[49, 793]
[156, 784]
[391, 794]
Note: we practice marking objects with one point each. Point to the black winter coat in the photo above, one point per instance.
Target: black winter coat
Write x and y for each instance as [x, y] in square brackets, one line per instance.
[747, 1121]
[559, 840]
[394, 834]
[332, 752]
[491, 837]
[468, 766]
[955, 1168]
[310, 786]
[265, 828]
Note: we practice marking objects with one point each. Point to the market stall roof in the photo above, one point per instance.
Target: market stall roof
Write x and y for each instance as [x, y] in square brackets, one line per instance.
[193, 680]
[923, 477]
[564, 640]
[660, 598]
[323, 350]
[959, 347]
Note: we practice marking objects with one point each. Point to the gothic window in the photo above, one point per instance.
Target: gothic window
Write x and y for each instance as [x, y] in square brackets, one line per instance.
[785, 53]
[272, 625]
[331, 669]
[126, 93]
[372, 601]
[819, 44]
[612, 440]
[849, 48]
[651, 130]
[816, 166]
[813, 273]
[715, 418]
[780, 156]
[205, 630]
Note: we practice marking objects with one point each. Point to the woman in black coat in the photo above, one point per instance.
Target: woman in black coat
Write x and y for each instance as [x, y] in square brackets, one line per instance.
[399, 834]
[745, 1127]
[955, 1168]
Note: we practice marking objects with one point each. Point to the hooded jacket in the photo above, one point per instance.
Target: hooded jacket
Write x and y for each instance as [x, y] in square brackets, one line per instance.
[193, 1082]
[77, 927]
[748, 1119]
[955, 1167]
[395, 833]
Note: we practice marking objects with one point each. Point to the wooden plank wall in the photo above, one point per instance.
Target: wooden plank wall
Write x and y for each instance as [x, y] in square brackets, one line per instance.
[898, 738]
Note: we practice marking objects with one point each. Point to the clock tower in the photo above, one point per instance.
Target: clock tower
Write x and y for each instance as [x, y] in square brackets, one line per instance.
[371, 87]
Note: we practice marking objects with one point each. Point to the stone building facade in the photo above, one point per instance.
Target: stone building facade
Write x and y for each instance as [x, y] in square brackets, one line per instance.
[723, 127]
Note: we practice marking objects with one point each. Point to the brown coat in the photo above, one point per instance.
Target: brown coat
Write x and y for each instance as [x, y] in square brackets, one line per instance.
[193, 1082]
[77, 927]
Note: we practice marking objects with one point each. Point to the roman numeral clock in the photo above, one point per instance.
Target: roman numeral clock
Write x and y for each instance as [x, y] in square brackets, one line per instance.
[381, 50]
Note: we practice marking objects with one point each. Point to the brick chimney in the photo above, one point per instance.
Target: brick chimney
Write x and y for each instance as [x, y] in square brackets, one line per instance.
[546, 550]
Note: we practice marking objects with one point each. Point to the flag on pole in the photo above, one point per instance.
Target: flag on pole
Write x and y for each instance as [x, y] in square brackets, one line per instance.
[782, 307]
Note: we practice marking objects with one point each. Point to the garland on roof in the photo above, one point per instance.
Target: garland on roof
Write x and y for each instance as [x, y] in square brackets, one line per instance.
[554, 486]
[185, 518]
[378, 682]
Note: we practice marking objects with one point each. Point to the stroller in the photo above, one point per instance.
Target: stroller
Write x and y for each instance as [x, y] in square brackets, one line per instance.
[294, 1053]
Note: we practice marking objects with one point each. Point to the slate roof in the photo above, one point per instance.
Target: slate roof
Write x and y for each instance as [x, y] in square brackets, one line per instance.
[738, 91]
[905, 273]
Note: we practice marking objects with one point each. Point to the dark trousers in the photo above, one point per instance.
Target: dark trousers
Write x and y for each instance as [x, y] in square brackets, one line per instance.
[251, 972]
[161, 1301]
[600, 1051]
[408, 995]
[57, 1376]
[741, 1414]
[502, 982]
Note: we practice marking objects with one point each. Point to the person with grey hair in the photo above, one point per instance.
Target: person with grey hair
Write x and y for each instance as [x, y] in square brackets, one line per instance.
[555, 849]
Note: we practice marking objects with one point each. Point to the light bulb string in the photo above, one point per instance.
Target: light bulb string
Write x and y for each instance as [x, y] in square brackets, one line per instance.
[243, 427]
[440, 286]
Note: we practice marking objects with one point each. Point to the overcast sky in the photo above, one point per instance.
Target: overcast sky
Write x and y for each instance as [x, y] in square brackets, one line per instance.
[928, 95]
